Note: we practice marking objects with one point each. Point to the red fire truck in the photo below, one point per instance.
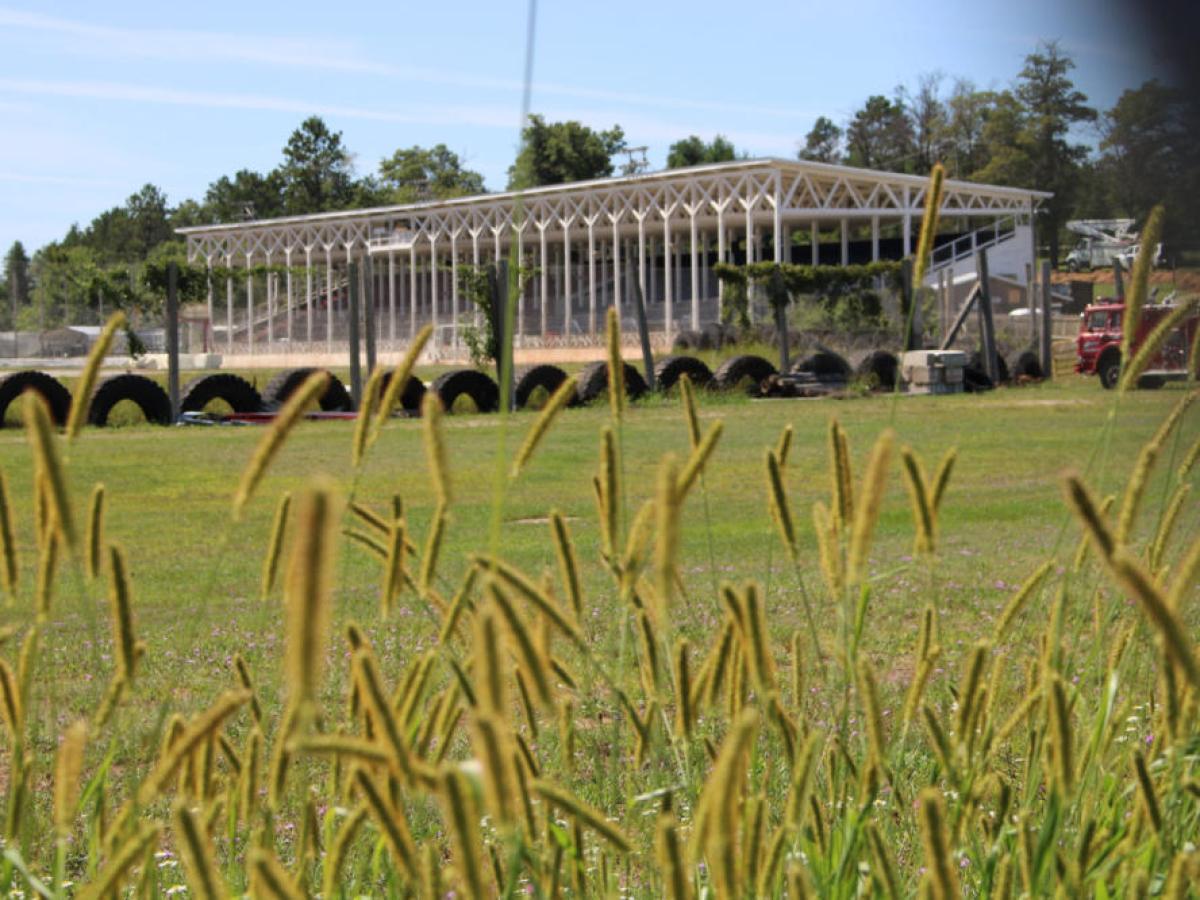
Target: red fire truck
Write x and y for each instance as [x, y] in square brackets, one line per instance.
[1098, 347]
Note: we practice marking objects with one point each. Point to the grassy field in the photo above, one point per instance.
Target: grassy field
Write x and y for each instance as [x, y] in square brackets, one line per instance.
[197, 602]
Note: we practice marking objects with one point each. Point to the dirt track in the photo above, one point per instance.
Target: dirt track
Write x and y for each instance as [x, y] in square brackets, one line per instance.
[1181, 279]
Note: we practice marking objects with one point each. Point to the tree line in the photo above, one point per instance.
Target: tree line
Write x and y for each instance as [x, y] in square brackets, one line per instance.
[1146, 150]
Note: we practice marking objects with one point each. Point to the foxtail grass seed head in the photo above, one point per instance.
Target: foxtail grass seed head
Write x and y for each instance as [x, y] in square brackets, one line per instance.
[203, 875]
[868, 690]
[1061, 747]
[698, 458]
[120, 604]
[616, 365]
[393, 567]
[270, 566]
[687, 398]
[941, 478]
[557, 403]
[67, 769]
[82, 398]
[584, 813]
[391, 821]
[433, 548]
[125, 857]
[435, 447]
[276, 434]
[841, 483]
[1018, 600]
[667, 510]
[363, 423]
[781, 510]
[784, 445]
[10, 704]
[332, 869]
[268, 877]
[1139, 585]
[867, 510]
[47, 566]
[610, 490]
[8, 545]
[935, 840]
[924, 515]
[1139, 279]
[397, 381]
[929, 222]
[40, 430]
[462, 817]
[94, 539]
[308, 591]
[568, 565]
[1084, 505]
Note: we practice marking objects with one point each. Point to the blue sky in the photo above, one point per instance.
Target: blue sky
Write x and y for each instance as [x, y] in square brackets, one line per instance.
[99, 98]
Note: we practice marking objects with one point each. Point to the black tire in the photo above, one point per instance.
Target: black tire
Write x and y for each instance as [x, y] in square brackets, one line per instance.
[825, 365]
[57, 397]
[737, 369]
[1026, 365]
[335, 399]
[976, 381]
[593, 382]
[1150, 382]
[410, 397]
[149, 396]
[975, 361]
[882, 366]
[547, 377]
[472, 383]
[240, 394]
[1109, 369]
[667, 372]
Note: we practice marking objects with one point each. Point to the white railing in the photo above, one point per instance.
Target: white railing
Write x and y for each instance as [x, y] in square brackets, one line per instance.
[397, 240]
[969, 244]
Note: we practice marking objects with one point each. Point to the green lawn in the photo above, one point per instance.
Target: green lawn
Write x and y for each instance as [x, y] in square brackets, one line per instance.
[196, 573]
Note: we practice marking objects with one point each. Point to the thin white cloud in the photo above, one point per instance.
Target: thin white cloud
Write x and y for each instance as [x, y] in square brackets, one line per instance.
[330, 55]
[64, 180]
[136, 93]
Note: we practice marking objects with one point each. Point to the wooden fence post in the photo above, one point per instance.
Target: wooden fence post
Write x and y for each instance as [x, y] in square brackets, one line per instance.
[987, 326]
[172, 338]
[355, 370]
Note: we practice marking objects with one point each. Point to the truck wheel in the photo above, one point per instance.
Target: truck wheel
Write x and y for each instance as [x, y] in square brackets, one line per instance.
[1151, 382]
[1109, 370]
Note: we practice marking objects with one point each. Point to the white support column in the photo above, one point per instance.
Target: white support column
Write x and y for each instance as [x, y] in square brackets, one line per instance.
[845, 242]
[229, 303]
[523, 288]
[641, 240]
[287, 255]
[749, 234]
[566, 292]
[604, 289]
[308, 293]
[475, 263]
[695, 276]
[815, 237]
[412, 291]
[721, 248]
[616, 266]
[433, 285]
[907, 224]
[591, 270]
[270, 287]
[454, 287]
[668, 309]
[874, 238]
[211, 288]
[777, 228]
[391, 276]
[544, 262]
[249, 308]
[329, 299]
